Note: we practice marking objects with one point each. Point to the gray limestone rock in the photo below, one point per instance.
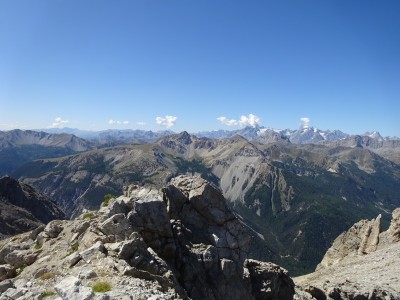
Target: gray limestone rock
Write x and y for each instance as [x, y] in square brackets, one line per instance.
[53, 229]
[72, 259]
[7, 271]
[5, 285]
[18, 258]
[117, 225]
[71, 288]
[269, 281]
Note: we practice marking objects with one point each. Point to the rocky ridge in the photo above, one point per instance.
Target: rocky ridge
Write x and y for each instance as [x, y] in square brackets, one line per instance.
[19, 137]
[22, 208]
[182, 242]
[362, 263]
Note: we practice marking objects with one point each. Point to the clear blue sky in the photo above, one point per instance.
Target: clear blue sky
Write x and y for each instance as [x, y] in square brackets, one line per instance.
[97, 64]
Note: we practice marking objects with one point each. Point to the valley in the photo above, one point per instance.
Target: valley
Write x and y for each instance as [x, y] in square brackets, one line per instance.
[296, 198]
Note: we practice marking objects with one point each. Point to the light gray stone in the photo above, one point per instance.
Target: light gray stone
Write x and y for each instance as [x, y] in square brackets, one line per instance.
[53, 229]
[70, 288]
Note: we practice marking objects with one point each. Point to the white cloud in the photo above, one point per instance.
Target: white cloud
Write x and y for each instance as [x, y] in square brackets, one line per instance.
[141, 123]
[114, 122]
[250, 120]
[304, 121]
[167, 121]
[227, 122]
[58, 123]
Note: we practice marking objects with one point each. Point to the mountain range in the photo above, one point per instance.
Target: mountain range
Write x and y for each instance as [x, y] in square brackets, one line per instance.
[18, 147]
[388, 147]
[291, 195]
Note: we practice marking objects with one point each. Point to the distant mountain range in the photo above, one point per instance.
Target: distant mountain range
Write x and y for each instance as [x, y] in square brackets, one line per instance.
[388, 147]
[303, 135]
[113, 135]
[18, 147]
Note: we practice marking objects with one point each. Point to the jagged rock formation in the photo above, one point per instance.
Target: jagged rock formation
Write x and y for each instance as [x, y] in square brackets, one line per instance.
[362, 263]
[181, 243]
[22, 208]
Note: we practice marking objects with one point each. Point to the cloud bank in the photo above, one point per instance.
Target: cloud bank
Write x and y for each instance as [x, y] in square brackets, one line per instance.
[228, 122]
[58, 123]
[249, 120]
[167, 121]
[114, 122]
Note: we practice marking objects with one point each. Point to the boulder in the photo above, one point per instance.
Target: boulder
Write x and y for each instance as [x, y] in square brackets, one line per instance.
[19, 258]
[269, 281]
[53, 229]
[72, 259]
[70, 288]
[34, 233]
[94, 252]
[117, 225]
[7, 271]
[5, 285]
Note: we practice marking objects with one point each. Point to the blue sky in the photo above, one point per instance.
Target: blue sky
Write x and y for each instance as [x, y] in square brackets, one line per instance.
[97, 64]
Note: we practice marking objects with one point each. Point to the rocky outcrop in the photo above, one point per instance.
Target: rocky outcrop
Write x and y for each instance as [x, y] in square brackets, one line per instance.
[181, 243]
[23, 208]
[392, 235]
[362, 263]
[362, 238]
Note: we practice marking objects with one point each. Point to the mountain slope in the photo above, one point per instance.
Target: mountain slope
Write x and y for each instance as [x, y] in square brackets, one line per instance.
[18, 147]
[290, 194]
[388, 148]
[22, 208]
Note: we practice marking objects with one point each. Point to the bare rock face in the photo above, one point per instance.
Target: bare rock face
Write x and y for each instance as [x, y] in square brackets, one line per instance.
[370, 237]
[392, 235]
[269, 281]
[362, 263]
[181, 243]
[362, 238]
[212, 246]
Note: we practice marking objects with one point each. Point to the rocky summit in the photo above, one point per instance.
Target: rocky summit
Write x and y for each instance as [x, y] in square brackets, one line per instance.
[363, 263]
[181, 242]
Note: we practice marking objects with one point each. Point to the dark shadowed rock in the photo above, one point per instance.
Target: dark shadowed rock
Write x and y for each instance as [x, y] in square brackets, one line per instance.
[269, 281]
[22, 208]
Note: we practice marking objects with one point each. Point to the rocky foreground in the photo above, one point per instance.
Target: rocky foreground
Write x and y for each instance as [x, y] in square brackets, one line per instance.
[180, 243]
[363, 263]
